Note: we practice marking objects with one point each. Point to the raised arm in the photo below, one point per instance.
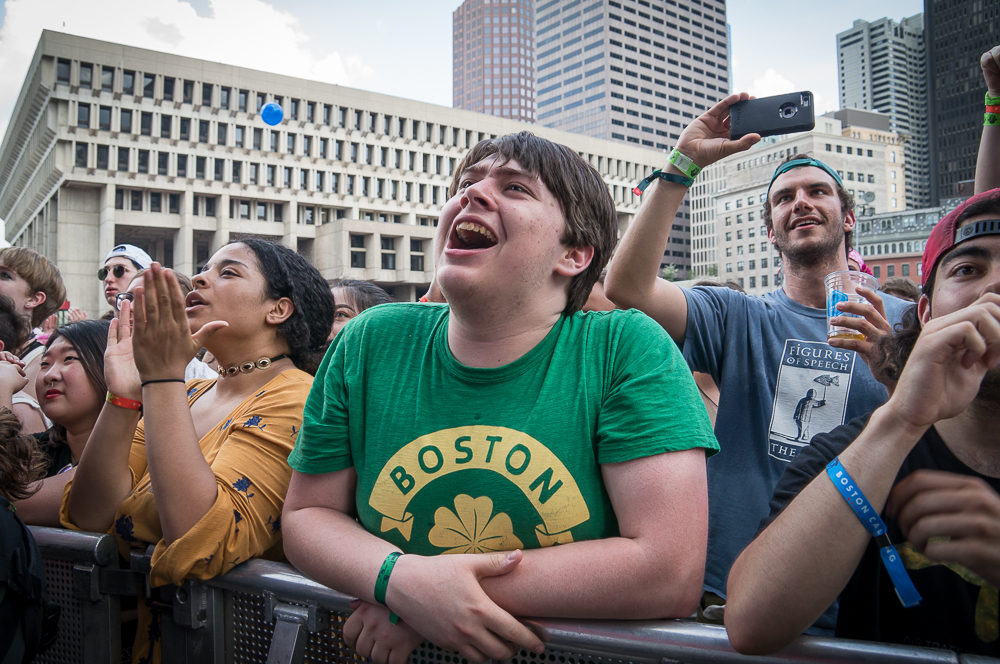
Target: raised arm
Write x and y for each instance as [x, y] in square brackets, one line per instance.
[817, 537]
[103, 478]
[988, 160]
[633, 276]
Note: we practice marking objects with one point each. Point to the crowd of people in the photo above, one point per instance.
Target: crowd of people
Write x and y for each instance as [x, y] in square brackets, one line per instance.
[549, 390]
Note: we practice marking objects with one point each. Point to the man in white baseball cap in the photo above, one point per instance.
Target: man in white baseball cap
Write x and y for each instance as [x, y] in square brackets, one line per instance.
[119, 268]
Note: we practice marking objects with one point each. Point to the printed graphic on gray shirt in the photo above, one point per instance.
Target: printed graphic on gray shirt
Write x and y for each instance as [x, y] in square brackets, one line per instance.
[810, 396]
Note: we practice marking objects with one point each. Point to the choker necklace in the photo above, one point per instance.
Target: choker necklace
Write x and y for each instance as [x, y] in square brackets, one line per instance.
[248, 367]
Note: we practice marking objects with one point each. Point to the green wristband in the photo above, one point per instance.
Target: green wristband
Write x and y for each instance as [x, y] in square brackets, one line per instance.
[684, 163]
[992, 101]
[382, 582]
[991, 119]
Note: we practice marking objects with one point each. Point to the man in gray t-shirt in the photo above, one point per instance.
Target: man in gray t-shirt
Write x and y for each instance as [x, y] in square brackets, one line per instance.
[765, 353]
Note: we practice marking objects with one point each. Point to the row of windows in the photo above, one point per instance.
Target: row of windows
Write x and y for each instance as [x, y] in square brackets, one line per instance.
[140, 200]
[188, 129]
[387, 252]
[164, 125]
[240, 172]
[167, 88]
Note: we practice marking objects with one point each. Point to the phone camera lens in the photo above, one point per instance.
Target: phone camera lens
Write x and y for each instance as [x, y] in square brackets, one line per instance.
[787, 110]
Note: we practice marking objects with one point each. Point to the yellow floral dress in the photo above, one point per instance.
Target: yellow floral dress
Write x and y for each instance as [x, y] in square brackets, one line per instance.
[248, 453]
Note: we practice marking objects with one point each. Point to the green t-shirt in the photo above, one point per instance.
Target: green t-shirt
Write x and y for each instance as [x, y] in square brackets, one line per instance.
[453, 459]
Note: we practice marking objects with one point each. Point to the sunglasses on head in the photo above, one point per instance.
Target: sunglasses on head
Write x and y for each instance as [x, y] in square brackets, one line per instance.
[117, 270]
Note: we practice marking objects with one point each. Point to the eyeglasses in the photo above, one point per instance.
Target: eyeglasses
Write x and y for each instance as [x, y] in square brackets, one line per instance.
[121, 297]
[117, 270]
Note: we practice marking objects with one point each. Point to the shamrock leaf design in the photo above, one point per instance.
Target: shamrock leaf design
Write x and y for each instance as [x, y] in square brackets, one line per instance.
[473, 527]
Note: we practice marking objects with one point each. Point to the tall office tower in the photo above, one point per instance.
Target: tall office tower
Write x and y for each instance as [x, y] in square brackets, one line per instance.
[881, 66]
[634, 71]
[493, 62]
[957, 32]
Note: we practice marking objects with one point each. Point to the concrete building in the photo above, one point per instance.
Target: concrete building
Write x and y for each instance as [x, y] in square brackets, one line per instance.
[957, 32]
[881, 66]
[110, 143]
[730, 240]
[892, 243]
[633, 71]
[493, 58]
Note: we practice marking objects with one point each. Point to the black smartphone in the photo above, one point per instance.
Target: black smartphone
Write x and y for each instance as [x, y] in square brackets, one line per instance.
[767, 116]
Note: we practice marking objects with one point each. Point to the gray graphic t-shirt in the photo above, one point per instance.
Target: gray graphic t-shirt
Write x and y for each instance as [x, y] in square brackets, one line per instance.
[780, 384]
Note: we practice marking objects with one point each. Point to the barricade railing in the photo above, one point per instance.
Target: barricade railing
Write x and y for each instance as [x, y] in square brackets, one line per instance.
[265, 611]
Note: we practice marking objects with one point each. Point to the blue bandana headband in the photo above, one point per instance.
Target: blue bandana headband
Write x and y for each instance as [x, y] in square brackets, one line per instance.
[795, 163]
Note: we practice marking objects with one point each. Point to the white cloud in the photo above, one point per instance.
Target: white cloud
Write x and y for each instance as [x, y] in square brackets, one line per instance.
[771, 83]
[248, 33]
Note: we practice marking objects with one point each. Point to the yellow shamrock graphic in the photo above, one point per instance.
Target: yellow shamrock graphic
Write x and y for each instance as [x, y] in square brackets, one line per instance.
[472, 527]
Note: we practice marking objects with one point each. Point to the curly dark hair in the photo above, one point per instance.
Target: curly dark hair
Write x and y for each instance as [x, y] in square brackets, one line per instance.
[894, 349]
[22, 462]
[288, 274]
[90, 339]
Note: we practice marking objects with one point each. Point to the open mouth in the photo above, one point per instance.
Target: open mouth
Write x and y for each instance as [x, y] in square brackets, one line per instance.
[193, 299]
[804, 223]
[470, 235]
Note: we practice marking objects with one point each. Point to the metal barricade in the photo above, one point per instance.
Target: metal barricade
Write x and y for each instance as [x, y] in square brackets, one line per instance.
[84, 578]
[267, 612]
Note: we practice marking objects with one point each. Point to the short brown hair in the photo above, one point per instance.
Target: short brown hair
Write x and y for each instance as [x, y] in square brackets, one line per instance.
[846, 202]
[591, 220]
[42, 276]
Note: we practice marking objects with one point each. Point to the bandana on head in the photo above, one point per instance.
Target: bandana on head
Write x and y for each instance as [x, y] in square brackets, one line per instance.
[796, 163]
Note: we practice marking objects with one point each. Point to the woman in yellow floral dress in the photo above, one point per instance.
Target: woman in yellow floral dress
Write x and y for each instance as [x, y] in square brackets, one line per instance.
[205, 490]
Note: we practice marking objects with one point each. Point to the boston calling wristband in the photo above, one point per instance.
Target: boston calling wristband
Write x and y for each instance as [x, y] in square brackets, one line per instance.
[870, 519]
[382, 581]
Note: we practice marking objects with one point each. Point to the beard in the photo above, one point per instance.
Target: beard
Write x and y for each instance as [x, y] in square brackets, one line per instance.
[819, 250]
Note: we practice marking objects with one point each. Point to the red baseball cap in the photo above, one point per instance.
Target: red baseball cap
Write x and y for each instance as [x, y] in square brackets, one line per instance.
[944, 235]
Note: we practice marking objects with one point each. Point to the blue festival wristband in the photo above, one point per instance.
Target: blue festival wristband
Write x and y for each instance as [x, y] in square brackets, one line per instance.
[870, 519]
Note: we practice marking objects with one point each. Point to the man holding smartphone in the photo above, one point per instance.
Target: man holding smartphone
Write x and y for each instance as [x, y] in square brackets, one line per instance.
[763, 352]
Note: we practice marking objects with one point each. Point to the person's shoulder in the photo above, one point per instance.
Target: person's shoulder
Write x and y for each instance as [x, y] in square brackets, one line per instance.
[895, 307]
[393, 314]
[616, 322]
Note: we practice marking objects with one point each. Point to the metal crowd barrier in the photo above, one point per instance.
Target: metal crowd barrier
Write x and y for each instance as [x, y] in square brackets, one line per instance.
[267, 612]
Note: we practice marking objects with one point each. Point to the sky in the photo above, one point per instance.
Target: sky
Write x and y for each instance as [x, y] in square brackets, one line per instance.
[402, 47]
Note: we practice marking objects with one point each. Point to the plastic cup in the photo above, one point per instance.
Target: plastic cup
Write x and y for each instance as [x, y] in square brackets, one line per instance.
[842, 287]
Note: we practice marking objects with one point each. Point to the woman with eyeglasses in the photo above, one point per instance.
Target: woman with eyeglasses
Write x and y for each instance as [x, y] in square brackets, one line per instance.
[120, 267]
[203, 475]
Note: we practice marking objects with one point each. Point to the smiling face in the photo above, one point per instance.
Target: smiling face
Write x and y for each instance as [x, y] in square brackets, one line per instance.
[808, 223]
[65, 392]
[503, 238]
[114, 284]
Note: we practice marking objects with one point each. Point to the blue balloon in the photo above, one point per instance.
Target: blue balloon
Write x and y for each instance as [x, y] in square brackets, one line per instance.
[271, 113]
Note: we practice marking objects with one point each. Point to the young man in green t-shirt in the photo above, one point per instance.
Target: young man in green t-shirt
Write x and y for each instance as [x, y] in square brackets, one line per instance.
[504, 422]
